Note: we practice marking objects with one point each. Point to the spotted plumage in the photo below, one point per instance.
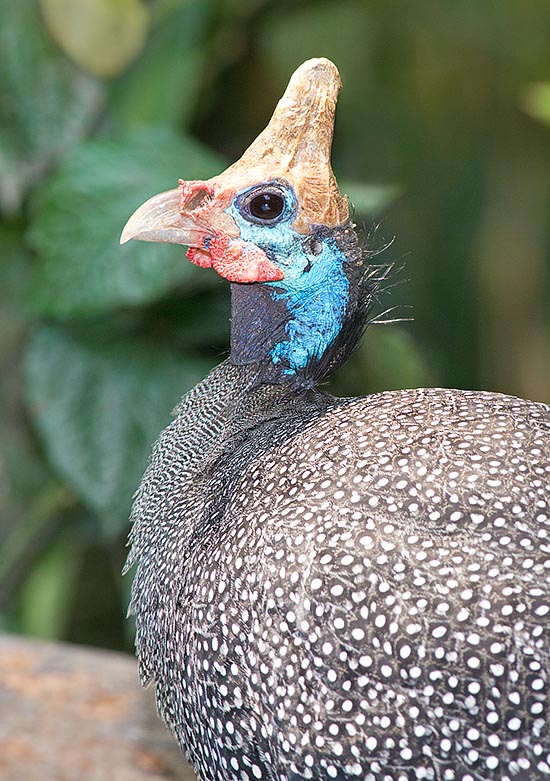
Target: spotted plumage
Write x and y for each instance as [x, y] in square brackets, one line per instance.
[359, 591]
[331, 588]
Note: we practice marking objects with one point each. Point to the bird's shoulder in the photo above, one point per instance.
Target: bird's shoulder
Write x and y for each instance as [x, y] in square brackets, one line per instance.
[398, 438]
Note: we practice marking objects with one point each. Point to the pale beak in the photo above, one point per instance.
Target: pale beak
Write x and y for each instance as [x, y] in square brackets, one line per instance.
[160, 219]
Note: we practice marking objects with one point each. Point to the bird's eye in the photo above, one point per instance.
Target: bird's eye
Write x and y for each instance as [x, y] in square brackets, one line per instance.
[266, 204]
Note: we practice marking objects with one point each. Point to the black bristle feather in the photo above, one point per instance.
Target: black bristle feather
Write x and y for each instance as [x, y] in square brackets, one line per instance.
[367, 282]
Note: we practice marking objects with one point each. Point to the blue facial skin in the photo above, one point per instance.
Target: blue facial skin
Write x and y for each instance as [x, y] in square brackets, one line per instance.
[315, 287]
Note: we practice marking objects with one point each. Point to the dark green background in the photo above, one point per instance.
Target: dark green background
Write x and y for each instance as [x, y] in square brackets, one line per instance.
[442, 140]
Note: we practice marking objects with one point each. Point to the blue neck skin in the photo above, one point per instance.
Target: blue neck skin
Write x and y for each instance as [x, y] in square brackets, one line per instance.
[288, 324]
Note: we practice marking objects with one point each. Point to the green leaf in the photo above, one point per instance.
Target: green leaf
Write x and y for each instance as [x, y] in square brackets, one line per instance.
[102, 36]
[43, 604]
[197, 322]
[22, 473]
[535, 101]
[98, 404]
[79, 215]
[27, 537]
[162, 86]
[46, 104]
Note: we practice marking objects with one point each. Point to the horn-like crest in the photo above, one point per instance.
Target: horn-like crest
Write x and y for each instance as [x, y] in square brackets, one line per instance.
[296, 146]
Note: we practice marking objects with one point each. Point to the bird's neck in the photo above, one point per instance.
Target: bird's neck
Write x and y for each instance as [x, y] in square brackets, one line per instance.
[287, 327]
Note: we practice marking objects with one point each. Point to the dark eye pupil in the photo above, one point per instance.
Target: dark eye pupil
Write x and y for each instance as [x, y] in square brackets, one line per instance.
[266, 206]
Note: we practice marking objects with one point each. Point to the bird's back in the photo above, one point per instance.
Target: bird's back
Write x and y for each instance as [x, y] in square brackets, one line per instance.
[367, 593]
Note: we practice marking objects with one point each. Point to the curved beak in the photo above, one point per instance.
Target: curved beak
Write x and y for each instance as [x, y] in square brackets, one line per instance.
[160, 219]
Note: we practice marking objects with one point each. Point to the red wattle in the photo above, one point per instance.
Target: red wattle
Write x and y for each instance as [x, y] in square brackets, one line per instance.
[200, 257]
[240, 261]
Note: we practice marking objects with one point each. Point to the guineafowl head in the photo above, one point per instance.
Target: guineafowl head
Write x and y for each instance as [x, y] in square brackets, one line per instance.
[276, 226]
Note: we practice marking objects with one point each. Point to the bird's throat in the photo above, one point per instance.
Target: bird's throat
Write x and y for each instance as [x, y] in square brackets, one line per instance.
[286, 330]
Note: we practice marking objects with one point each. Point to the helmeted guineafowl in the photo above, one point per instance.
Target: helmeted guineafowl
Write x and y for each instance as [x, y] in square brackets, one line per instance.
[334, 588]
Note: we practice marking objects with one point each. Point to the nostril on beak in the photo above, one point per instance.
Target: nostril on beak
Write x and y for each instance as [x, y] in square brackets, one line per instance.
[198, 199]
[194, 195]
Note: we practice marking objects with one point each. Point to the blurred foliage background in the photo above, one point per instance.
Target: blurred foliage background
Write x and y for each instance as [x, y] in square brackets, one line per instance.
[442, 141]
